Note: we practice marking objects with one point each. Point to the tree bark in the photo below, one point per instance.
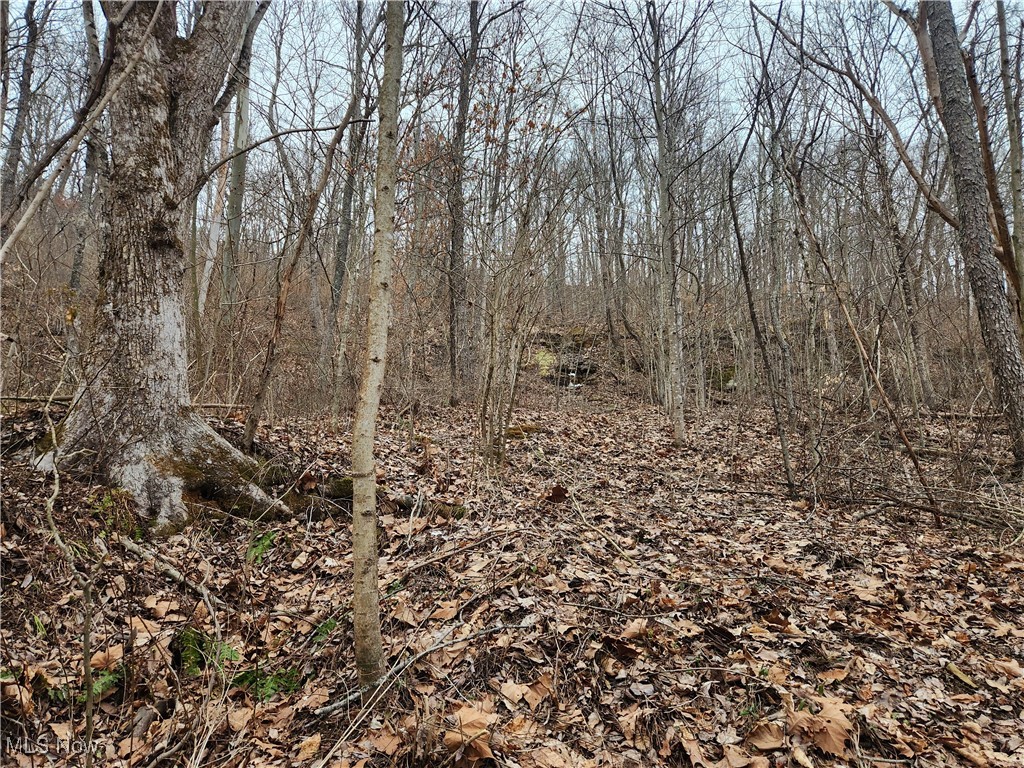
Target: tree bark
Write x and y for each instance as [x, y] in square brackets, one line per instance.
[1016, 158]
[133, 413]
[236, 194]
[457, 206]
[216, 227]
[95, 161]
[669, 364]
[12, 158]
[997, 326]
[343, 242]
[366, 597]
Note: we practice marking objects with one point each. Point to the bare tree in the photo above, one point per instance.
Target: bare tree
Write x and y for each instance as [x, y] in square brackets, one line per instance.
[457, 204]
[1015, 139]
[13, 155]
[366, 597]
[976, 247]
[133, 414]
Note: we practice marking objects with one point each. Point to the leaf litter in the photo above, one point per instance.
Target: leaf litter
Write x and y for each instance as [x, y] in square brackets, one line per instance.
[608, 599]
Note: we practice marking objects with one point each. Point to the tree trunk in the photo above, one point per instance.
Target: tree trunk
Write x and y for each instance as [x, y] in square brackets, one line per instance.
[366, 597]
[134, 414]
[457, 207]
[216, 227]
[670, 366]
[233, 213]
[1016, 158]
[94, 158]
[997, 326]
[344, 238]
[12, 158]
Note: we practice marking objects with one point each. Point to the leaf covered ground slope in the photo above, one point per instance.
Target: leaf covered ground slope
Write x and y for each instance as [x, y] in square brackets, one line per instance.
[607, 600]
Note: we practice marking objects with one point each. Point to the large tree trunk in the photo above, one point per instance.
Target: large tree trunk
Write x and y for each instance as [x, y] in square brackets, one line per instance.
[133, 414]
[997, 326]
[365, 589]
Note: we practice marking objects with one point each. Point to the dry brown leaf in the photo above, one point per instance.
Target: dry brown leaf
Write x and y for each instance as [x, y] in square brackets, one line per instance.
[513, 692]
[627, 721]
[160, 607]
[17, 699]
[404, 613]
[833, 675]
[693, 750]
[778, 673]
[836, 727]
[144, 629]
[736, 757]
[472, 731]
[766, 736]
[829, 728]
[130, 746]
[634, 629]
[107, 658]
[448, 609]
[522, 726]
[308, 748]
[539, 690]
[549, 758]
[386, 741]
[239, 718]
[800, 758]
[200, 613]
[1009, 667]
[63, 731]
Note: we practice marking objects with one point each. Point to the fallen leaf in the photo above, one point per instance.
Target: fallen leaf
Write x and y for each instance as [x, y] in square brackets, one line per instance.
[308, 748]
[766, 737]
[1009, 667]
[108, 658]
[956, 672]
[736, 757]
[634, 629]
[62, 731]
[693, 750]
[627, 721]
[448, 609]
[404, 613]
[314, 699]
[386, 741]
[537, 691]
[514, 692]
[472, 731]
[828, 729]
[549, 758]
[17, 698]
[833, 675]
[239, 718]
[800, 758]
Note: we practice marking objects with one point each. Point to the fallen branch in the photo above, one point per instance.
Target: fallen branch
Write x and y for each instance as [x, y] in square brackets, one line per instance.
[170, 571]
[47, 400]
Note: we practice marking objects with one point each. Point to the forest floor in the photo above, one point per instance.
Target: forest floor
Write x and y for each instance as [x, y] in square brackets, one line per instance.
[608, 599]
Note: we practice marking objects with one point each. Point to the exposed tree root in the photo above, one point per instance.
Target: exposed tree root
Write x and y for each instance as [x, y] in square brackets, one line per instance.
[167, 471]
